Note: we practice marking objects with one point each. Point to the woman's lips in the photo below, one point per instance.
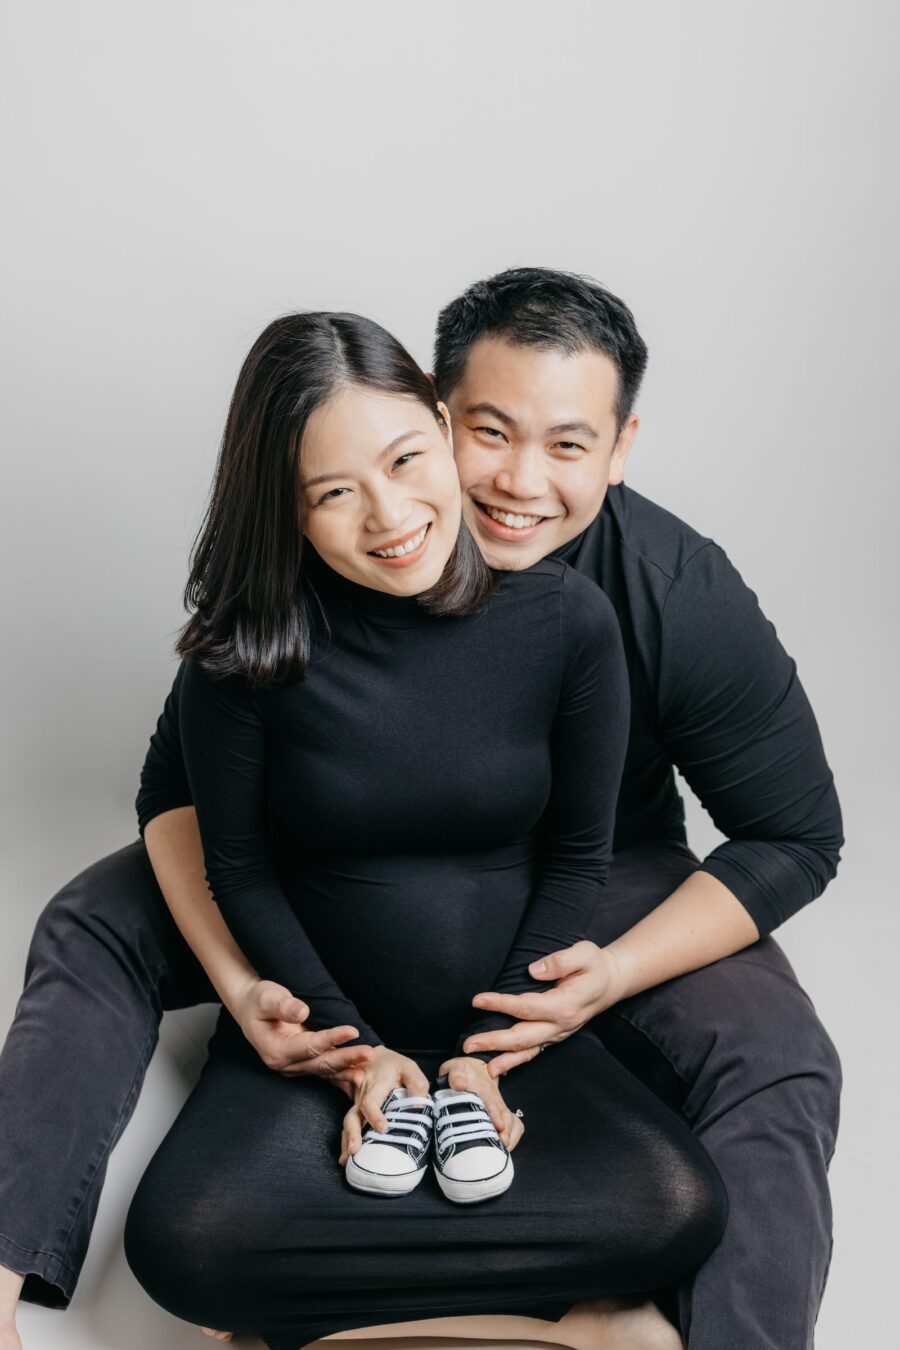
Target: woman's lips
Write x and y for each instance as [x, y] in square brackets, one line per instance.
[406, 558]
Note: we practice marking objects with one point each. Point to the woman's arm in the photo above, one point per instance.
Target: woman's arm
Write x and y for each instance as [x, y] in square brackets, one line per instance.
[223, 741]
[588, 742]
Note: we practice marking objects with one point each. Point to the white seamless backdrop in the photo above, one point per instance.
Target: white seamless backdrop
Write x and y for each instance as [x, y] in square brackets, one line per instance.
[179, 173]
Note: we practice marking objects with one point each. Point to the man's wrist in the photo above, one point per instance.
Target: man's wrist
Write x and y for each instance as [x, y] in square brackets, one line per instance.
[619, 977]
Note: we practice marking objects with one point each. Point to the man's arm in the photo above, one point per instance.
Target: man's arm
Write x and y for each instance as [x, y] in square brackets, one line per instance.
[738, 726]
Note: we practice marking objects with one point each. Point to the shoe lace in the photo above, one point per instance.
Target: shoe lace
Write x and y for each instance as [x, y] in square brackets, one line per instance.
[455, 1126]
[405, 1126]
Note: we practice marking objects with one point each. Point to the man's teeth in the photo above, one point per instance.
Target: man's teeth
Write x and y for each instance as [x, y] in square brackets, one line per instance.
[514, 522]
[401, 549]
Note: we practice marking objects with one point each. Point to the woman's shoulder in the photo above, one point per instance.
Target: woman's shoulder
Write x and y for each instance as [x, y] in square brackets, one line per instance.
[585, 610]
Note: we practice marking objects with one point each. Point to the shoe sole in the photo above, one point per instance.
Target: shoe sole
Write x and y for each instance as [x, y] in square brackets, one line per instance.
[470, 1192]
[375, 1184]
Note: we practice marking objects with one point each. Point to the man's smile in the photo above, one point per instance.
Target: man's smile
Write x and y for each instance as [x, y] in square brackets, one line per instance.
[502, 523]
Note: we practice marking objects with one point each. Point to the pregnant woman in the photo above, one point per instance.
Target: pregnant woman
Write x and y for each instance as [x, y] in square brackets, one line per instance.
[405, 768]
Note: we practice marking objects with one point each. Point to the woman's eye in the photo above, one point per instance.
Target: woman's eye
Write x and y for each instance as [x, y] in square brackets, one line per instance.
[326, 495]
[410, 454]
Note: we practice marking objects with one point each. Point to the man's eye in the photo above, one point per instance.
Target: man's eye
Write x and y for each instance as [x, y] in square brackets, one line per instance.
[489, 431]
[569, 445]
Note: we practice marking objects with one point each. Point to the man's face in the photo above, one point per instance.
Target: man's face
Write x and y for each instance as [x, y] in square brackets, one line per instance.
[534, 436]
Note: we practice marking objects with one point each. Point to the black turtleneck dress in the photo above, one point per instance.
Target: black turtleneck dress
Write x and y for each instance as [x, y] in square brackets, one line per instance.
[426, 811]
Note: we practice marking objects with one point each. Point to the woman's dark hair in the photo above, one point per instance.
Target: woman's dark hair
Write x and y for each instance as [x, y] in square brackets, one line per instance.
[539, 307]
[246, 574]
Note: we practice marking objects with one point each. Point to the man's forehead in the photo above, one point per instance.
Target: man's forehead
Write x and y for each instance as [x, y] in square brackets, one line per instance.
[529, 383]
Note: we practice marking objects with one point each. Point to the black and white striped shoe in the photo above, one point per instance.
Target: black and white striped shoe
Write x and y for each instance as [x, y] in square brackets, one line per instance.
[394, 1161]
[470, 1161]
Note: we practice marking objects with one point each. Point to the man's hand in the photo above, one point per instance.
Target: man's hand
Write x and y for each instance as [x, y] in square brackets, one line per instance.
[271, 1018]
[588, 980]
[467, 1074]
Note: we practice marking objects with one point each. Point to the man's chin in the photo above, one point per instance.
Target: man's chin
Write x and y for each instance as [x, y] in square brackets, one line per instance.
[508, 553]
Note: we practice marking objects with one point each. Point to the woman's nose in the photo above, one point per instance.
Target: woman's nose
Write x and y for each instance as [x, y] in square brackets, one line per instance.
[386, 511]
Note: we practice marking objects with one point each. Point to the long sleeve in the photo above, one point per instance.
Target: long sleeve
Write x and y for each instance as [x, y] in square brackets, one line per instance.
[588, 741]
[738, 726]
[163, 782]
[223, 740]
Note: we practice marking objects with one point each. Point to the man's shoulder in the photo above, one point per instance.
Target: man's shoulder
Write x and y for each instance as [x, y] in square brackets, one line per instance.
[649, 534]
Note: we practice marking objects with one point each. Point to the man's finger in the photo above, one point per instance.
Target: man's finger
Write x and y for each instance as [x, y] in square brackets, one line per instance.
[563, 962]
[522, 1036]
[276, 1001]
[525, 1006]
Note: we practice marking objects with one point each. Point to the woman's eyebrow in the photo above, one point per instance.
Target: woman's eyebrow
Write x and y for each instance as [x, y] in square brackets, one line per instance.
[345, 473]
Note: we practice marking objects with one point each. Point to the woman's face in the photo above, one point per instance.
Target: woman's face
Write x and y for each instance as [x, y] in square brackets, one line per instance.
[377, 474]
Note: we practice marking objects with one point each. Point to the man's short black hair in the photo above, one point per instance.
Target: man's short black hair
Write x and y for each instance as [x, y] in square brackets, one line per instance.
[540, 307]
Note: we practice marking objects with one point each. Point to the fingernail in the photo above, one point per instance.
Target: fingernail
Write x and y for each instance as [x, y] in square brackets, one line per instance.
[538, 966]
[479, 1002]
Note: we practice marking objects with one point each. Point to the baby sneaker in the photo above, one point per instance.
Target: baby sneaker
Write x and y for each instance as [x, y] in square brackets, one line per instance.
[470, 1161]
[394, 1161]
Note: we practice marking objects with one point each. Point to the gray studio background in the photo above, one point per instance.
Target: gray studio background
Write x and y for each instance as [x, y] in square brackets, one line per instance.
[177, 174]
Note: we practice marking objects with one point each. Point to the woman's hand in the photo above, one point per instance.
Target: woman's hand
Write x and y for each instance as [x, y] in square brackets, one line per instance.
[385, 1069]
[466, 1074]
[588, 980]
[271, 1019]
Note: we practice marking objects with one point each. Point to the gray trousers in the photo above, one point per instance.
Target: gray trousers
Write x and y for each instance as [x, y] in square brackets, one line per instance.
[736, 1047]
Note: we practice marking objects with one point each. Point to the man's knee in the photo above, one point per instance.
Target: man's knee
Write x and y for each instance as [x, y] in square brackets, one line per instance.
[115, 902]
[739, 1027]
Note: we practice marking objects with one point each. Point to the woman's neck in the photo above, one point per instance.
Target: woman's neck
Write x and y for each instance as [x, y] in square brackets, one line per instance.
[333, 587]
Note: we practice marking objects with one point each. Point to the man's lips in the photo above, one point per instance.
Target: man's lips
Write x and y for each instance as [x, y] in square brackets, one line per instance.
[498, 530]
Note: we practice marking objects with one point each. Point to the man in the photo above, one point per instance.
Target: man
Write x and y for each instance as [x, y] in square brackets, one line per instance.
[680, 977]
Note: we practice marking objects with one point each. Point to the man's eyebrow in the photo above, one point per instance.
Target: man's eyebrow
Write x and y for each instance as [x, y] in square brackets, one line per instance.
[491, 411]
[345, 473]
[583, 429]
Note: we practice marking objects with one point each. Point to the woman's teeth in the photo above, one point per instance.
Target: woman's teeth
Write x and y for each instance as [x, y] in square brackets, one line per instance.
[507, 518]
[401, 549]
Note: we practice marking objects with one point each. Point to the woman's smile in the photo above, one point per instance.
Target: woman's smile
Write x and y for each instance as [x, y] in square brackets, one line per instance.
[409, 548]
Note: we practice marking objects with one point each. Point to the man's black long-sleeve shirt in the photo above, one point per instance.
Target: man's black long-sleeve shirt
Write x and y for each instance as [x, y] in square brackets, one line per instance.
[713, 694]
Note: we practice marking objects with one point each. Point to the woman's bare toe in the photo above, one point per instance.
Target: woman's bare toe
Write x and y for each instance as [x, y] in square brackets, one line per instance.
[217, 1335]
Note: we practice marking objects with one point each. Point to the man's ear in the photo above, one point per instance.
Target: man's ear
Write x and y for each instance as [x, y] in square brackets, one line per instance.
[447, 428]
[621, 448]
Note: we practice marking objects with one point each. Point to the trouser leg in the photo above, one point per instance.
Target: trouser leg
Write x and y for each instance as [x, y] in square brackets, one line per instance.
[738, 1046]
[106, 959]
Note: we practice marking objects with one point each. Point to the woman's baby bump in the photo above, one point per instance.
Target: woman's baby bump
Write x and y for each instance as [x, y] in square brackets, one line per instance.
[411, 937]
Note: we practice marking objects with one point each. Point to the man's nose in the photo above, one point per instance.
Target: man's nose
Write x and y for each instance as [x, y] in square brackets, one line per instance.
[521, 475]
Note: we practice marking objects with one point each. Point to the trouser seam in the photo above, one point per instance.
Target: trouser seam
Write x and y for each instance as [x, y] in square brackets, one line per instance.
[37, 1251]
[107, 1145]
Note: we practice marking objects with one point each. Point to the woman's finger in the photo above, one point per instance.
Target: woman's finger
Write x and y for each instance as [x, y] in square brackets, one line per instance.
[369, 1104]
[351, 1134]
[414, 1079]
